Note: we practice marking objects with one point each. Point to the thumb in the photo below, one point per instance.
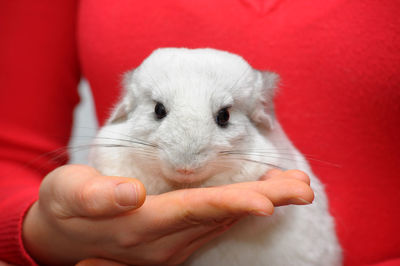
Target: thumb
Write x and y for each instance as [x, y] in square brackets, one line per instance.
[80, 190]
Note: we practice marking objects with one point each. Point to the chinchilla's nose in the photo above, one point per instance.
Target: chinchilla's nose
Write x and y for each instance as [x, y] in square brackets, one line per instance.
[185, 157]
[185, 171]
[188, 140]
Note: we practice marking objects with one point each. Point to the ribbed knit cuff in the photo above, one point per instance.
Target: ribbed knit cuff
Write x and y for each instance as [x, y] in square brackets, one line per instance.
[12, 212]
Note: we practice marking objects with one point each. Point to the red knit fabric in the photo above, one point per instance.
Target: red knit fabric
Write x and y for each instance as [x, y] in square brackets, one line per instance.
[38, 78]
[339, 101]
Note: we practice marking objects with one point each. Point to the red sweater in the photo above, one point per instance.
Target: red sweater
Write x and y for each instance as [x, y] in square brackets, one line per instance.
[339, 102]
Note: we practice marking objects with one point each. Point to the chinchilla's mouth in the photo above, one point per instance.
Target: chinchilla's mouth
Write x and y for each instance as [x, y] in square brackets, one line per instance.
[186, 177]
[181, 184]
[180, 181]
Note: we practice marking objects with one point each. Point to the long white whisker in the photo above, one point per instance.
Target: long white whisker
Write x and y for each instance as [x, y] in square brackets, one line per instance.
[267, 155]
[258, 162]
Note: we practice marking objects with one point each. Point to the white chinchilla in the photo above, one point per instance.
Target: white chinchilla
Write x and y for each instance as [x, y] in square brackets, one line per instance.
[203, 117]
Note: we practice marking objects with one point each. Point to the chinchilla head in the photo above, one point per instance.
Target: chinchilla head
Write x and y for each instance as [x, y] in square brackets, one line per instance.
[182, 112]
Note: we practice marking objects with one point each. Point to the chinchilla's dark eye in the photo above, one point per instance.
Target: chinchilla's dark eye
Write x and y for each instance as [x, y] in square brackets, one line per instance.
[222, 117]
[160, 111]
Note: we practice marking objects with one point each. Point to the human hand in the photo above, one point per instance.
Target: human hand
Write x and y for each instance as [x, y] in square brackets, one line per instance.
[77, 216]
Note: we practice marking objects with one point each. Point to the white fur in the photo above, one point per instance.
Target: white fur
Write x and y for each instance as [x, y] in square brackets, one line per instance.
[194, 85]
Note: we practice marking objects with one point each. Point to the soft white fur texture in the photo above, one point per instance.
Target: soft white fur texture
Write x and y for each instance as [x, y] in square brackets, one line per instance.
[194, 85]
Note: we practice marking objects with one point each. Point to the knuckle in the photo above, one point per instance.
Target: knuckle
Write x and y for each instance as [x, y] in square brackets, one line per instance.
[63, 196]
[300, 175]
[269, 206]
[272, 173]
[57, 210]
[87, 196]
[300, 188]
[209, 206]
[188, 214]
[188, 217]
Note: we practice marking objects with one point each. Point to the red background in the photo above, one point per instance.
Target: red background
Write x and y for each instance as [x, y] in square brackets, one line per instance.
[339, 99]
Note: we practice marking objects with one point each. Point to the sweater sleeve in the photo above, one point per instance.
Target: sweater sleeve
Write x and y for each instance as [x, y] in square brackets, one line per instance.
[39, 74]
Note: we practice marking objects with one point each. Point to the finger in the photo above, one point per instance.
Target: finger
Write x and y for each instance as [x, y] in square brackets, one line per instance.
[180, 209]
[196, 244]
[281, 191]
[159, 251]
[183, 238]
[80, 190]
[99, 262]
[296, 174]
[205, 205]
[273, 173]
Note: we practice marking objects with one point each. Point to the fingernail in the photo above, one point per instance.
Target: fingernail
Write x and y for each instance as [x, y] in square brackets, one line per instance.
[299, 201]
[260, 213]
[126, 194]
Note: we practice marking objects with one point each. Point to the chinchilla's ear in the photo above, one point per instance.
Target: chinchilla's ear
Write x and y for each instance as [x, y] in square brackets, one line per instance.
[263, 114]
[126, 103]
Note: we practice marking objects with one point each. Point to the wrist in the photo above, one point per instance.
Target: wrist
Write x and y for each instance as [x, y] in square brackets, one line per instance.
[44, 243]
